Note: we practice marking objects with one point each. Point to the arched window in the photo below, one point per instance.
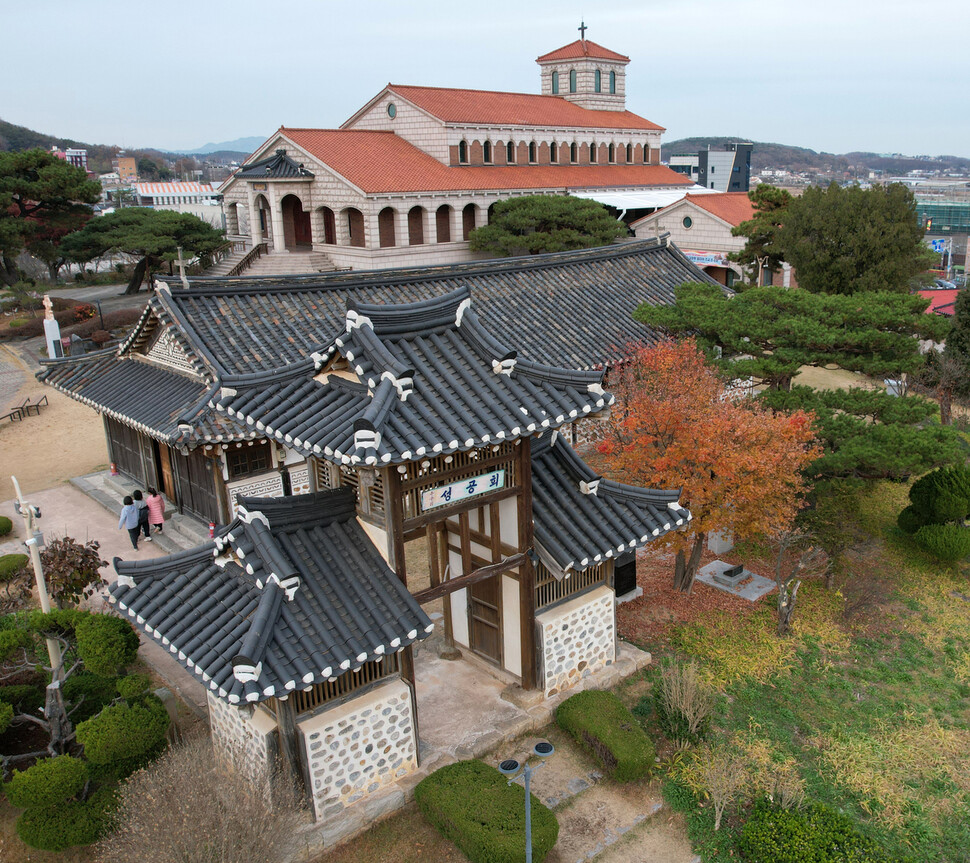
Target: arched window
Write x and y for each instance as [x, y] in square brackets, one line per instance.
[612, 153]
[468, 220]
[554, 152]
[442, 218]
[612, 82]
[572, 80]
[532, 151]
[629, 152]
[646, 154]
[555, 83]
[416, 226]
[487, 152]
[598, 81]
[592, 152]
[573, 151]
[385, 227]
[355, 226]
[463, 152]
[510, 153]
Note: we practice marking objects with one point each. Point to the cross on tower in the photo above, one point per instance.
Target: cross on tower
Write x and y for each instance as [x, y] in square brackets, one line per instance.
[582, 30]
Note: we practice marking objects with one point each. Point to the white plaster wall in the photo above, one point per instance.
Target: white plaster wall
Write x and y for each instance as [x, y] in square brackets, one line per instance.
[262, 485]
[244, 739]
[376, 535]
[509, 520]
[356, 748]
[459, 616]
[511, 647]
[576, 638]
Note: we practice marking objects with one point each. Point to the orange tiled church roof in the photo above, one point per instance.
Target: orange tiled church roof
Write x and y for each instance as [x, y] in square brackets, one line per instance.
[733, 207]
[379, 161]
[491, 108]
[581, 49]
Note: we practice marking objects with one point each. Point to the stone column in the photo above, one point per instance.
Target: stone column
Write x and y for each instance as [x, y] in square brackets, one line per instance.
[456, 222]
[342, 232]
[401, 226]
[279, 241]
[785, 274]
[254, 231]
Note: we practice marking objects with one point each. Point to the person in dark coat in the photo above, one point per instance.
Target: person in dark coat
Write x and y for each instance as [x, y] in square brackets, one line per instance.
[142, 505]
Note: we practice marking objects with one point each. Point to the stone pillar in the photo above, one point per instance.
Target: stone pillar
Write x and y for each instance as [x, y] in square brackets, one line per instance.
[431, 224]
[254, 231]
[372, 233]
[401, 227]
[456, 223]
[341, 223]
[279, 241]
[785, 274]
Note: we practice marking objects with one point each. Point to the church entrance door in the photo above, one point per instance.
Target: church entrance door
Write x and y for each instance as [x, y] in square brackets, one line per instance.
[296, 223]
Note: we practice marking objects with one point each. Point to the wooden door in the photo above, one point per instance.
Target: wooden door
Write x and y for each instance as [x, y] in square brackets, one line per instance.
[196, 485]
[301, 226]
[485, 618]
[165, 469]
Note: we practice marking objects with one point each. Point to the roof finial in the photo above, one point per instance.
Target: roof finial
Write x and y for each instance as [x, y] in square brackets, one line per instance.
[582, 30]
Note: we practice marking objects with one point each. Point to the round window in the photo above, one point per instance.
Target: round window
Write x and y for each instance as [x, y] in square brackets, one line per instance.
[392, 110]
[688, 221]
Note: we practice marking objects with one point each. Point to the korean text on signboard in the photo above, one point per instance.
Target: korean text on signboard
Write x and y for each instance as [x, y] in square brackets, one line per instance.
[456, 491]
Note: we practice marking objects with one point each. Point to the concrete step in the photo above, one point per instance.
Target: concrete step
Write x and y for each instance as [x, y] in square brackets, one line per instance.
[290, 263]
[226, 264]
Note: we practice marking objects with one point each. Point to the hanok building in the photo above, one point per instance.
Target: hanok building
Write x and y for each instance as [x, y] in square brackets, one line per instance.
[300, 616]
[408, 177]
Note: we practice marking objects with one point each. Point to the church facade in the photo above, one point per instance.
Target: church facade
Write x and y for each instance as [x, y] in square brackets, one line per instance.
[406, 179]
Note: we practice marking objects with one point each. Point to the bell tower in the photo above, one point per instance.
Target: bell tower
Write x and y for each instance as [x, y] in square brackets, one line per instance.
[585, 73]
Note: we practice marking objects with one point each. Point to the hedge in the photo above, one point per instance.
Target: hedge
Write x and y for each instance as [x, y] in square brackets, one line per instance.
[473, 805]
[10, 565]
[125, 735]
[6, 526]
[603, 726]
[68, 824]
[813, 835]
[47, 782]
[96, 691]
[946, 542]
[105, 644]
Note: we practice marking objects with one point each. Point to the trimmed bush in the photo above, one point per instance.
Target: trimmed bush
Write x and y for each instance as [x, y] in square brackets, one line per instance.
[47, 783]
[133, 686]
[947, 542]
[473, 805]
[10, 565]
[910, 520]
[89, 694]
[68, 824]
[105, 644]
[125, 736]
[6, 526]
[12, 640]
[813, 835]
[603, 726]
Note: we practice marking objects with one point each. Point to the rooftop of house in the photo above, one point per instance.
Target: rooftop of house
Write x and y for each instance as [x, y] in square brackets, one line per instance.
[580, 49]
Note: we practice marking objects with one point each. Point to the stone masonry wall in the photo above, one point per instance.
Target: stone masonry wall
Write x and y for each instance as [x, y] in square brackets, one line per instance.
[358, 747]
[576, 638]
[248, 742]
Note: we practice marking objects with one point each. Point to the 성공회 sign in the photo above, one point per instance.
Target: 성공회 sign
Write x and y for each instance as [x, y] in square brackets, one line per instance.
[456, 491]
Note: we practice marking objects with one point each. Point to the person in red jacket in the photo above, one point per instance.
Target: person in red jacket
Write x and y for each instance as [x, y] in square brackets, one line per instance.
[156, 509]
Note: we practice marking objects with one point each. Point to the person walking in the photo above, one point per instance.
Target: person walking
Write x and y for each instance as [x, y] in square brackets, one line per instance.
[142, 513]
[156, 509]
[129, 520]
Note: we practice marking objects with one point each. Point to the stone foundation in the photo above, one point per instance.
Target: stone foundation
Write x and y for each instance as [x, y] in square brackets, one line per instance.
[357, 748]
[576, 639]
[243, 736]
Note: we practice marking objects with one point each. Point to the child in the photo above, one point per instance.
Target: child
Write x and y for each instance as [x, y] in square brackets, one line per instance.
[129, 519]
[142, 513]
[156, 509]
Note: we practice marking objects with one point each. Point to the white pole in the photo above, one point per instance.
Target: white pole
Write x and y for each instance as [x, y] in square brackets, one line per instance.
[27, 511]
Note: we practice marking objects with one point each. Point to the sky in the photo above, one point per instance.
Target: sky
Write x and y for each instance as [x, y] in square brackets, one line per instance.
[838, 76]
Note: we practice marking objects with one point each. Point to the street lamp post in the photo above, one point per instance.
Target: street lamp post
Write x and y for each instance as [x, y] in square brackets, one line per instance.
[510, 767]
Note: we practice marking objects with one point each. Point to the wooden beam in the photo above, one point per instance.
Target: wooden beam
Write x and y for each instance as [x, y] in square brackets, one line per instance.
[290, 744]
[463, 581]
[394, 521]
[527, 574]
[442, 512]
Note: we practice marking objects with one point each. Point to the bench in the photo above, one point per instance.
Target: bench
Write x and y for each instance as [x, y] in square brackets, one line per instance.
[26, 409]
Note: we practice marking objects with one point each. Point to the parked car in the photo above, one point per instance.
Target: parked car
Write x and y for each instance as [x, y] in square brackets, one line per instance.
[943, 283]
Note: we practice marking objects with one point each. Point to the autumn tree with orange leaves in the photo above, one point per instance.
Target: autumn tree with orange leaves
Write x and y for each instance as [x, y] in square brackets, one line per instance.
[738, 464]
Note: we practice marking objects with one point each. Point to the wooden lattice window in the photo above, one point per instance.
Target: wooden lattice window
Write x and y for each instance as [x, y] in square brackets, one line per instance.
[248, 460]
[550, 590]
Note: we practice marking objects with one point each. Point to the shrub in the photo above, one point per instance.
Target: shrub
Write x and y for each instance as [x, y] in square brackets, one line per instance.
[125, 736]
[6, 526]
[684, 702]
[12, 640]
[492, 828]
[599, 721]
[26, 698]
[184, 807]
[133, 686]
[910, 520]
[99, 337]
[68, 824]
[6, 716]
[88, 694]
[946, 542]
[47, 783]
[11, 565]
[82, 312]
[937, 493]
[106, 644]
[814, 835]
[71, 569]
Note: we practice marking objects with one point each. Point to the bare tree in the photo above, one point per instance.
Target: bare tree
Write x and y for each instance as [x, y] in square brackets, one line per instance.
[723, 775]
[812, 561]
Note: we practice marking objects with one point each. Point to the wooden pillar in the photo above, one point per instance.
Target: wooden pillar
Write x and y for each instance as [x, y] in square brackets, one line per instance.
[290, 744]
[527, 574]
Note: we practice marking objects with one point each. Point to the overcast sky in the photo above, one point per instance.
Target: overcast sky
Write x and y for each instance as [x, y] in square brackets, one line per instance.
[832, 75]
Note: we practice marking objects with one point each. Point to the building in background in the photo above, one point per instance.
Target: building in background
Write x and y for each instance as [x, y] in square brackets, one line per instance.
[125, 167]
[199, 199]
[727, 170]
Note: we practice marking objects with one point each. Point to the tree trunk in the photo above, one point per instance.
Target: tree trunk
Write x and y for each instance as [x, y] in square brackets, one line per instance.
[56, 715]
[137, 277]
[946, 405]
[787, 592]
[54, 269]
[685, 569]
[9, 274]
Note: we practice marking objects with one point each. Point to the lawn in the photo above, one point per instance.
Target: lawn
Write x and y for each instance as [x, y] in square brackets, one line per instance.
[869, 700]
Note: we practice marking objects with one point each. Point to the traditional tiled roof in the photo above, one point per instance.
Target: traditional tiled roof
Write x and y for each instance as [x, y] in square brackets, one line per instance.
[279, 166]
[379, 162]
[432, 380]
[166, 405]
[491, 108]
[579, 305]
[292, 593]
[580, 49]
[582, 519]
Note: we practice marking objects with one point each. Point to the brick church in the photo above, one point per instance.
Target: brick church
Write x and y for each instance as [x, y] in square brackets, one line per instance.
[406, 179]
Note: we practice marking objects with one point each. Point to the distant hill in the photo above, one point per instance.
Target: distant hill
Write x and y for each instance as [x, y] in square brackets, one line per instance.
[799, 159]
[21, 138]
[240, 145]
